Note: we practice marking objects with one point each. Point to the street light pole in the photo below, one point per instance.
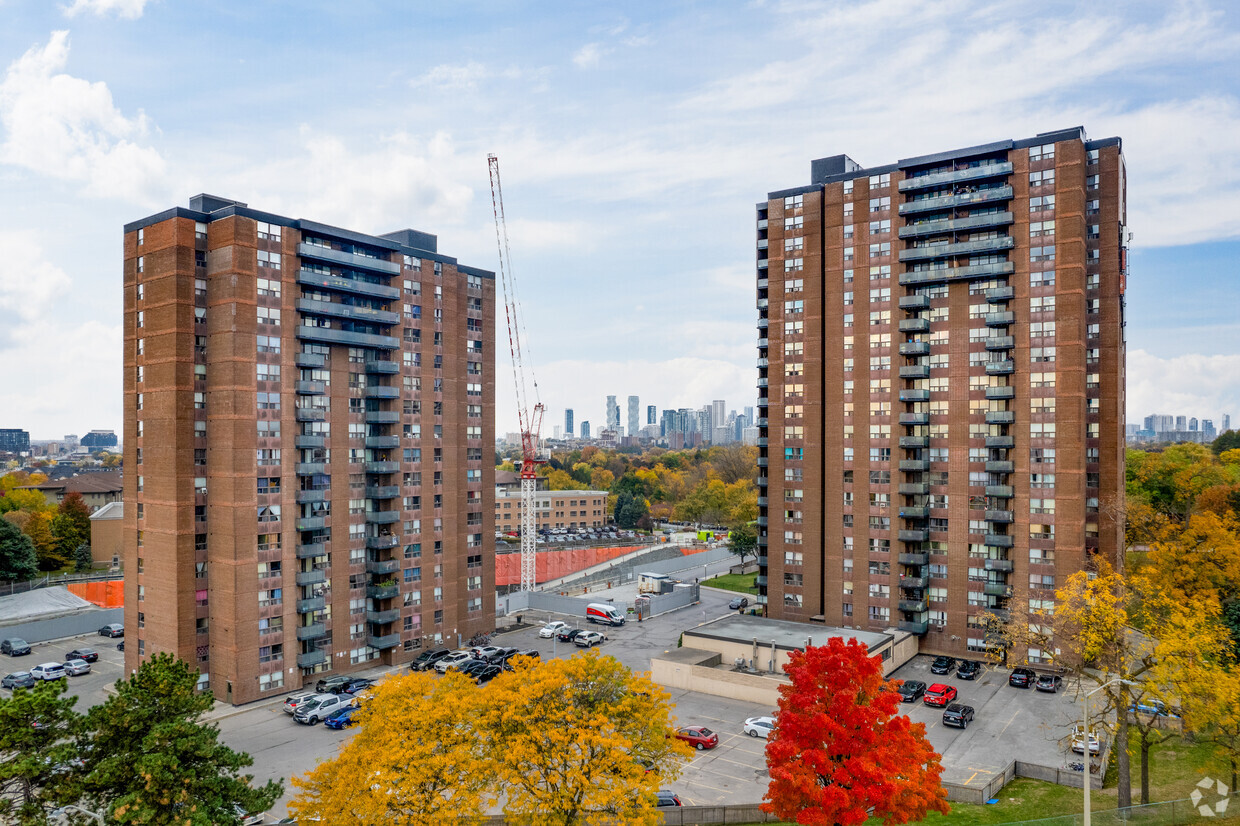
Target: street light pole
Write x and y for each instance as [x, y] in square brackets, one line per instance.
[1089, 762]
[95, 815]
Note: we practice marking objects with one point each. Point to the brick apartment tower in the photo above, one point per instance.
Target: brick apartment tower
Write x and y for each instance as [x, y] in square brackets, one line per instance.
[309, 420]
[941, 382]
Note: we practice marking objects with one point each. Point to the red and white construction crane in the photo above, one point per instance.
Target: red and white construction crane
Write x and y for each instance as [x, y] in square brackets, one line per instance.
[529, 418]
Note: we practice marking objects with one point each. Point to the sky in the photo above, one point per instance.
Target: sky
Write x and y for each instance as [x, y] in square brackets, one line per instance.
[634, 141]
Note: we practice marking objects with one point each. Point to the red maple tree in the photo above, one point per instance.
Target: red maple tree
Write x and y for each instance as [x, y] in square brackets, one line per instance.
[838, 753]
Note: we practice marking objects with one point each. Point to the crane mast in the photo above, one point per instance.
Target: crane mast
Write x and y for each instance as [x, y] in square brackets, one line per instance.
[529, 419]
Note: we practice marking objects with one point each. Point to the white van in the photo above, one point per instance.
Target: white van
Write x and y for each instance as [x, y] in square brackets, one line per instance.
[604, 614]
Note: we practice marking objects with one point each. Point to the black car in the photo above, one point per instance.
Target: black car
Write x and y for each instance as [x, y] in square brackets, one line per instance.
[739, 602]
[531, 653]
[427, 659]
[18, 679]
[501, 656]
[1022, 678]
[469, 667]
[120, 646]
[1049, 683]
[911, 690]
[958, 714]
[942, 665]
[14, 647]
[969, 669]
[568, 634]
[486, 673]
[333, 685]
[667, 798]
[88, 654]
[357, 684]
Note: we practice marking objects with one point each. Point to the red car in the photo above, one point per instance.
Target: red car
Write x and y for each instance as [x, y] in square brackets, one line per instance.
[939, 695]
[700, 737]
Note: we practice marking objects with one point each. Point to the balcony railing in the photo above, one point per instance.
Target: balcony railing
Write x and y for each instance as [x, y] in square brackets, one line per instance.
[932, 251]
[914, 325]
[1003, 391]
[349, 311]
[382, 642]
[953, 176]
[311, 577]
[309, 659]
[348, 259]
[956, 273]
[999, 343]
[915, 395]
[945, 225]
[330, 335]
[981, 196]
[914, 558]
[347, 285]
[913, 627]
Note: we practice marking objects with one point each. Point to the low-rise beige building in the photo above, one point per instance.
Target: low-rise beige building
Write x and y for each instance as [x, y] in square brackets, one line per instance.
[106, 538]
[554, 508]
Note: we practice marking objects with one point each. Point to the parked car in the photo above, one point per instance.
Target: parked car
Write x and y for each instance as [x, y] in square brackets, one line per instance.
[452, 660]
[76, 667]
[1049, 683]
[666, 798]
[120, 646]
[292, 701]
[14, 647]
[486, 673]
[500, 655]
[567, 634]
[911, 690]
[943, 665]
[1154, 708]
[700, 737]
[112, 629]
[759, 726]
[958, 714]
[333, 685]
[468, 667]
[739, 602]
[358, 685]
[484, 652]
[531, 653]
[588, 639]
[969, 669]
[1022, 678]
[343, 718]
[249, 818]
[48, 671]
[939, 694]
[320, 707]
[427, 659]
[18, 679]
[1078, 740]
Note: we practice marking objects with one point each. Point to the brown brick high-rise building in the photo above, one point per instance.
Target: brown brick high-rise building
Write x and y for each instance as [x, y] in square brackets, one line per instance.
[309, 426]
[941, 382]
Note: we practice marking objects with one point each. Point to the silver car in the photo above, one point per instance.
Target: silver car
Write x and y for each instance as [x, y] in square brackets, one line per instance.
[76, 668]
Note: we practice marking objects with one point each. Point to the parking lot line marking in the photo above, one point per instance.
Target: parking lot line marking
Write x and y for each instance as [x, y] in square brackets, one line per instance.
[1015, 714]
[970, 780]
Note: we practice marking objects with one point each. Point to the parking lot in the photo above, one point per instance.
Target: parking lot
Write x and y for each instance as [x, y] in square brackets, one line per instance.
[89, 688]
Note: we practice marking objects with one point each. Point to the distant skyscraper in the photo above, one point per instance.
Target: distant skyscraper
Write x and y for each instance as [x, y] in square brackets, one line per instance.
[585, 430]
[15, 440]
[635, 422]
[1226, 422]
[1192, 424]
[1181, 422]
[613, 412]
[1207, 430]
[651, 414]
[568, 422]
[718, 412]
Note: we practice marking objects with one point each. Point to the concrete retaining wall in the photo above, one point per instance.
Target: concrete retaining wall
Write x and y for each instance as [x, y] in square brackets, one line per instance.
[67, 626]
[719, 682]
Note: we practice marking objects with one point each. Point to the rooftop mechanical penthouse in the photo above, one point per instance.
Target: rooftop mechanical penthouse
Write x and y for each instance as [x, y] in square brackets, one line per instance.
[309, 420]
[941, 383]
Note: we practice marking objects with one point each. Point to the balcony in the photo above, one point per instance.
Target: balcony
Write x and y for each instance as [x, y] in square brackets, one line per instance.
[915, 348]
[378, 543]
[914, 442]
[348, 311]
[383, 617]
[1000, 491]
[914, 325]
[309, 441]
[311, 577]
[914, 465]
[382, 566]
[1000, 417]
[309, 551]
[383, 368]
[382, 442]
[386, 641]
[348, 259]
[914, 583]
[915, 371]
[1003, 391]
[912, 627]
[1000, 467]
[1000, 319]
[311, 523]
[382, 591]
[997, 343]
[304, 496]
[953, 176]
[999, 540]
[382, 467]
[311, 388]
[1000, 442]
[914, 513]
[1000, 368]
[914, 302]
[1001, 614]
[381, 417]
[956, 273]
[762, 501]
[1004, 565]
[382, 517]
[763, 343]
[915, 395]
[932, 251]
[763, 461]
[914, 558]
[997, 589]
[330, 335]
[310, 360]
[347, 285]
[762, 481]
[310, 468]
[309, 659]
[996, 295]
[914, 606]
[382, 492]
[982, 196]
[945, 225]
[914, 418]
[761, 520]
[763, 323]
[311, 414]
[914, 536]
[914, 489]
[999, 516]
[763, 441]
[381, 391]
[306, 606]
[313, 631]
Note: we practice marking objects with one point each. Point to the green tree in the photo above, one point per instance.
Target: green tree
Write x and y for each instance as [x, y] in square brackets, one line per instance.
[631, 509]
[71, 526]
[152, 761]
[744, 540]
[39, 529]
[18, 561]
[1227, 441]
[37, 772]
[82, 559]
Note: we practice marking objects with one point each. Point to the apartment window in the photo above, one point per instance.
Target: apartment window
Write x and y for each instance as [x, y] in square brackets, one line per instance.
[268, 315]
[141, 317]
[1044, 178]
[268, 372]
[880, 204]
[268, 259]
[1044, 152]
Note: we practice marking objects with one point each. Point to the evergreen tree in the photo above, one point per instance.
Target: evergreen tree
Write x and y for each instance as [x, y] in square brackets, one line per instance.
[18, 561]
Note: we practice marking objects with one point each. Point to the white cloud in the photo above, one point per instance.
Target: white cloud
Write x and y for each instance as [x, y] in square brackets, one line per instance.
[589, 55]
[448, 77]
[69, 129]
[29, 285]
[128, 9]
[1189, 385]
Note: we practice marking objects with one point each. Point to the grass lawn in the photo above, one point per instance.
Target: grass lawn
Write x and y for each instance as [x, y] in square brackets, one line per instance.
[741, 583]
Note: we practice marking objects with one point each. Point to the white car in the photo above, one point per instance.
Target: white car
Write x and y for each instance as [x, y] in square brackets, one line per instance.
[76, 668]
[1078, 740]
[551, 629]
[292, 701]
[452, 660]
[759, 726]
[588, 639]
[320, 707]
[48, 671]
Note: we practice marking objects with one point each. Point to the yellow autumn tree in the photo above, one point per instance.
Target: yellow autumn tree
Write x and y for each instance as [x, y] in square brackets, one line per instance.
[1218, 706]
[418, 760]
[568, 739]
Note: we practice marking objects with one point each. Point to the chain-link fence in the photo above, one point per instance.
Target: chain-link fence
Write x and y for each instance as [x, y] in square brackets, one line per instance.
[1166, 813]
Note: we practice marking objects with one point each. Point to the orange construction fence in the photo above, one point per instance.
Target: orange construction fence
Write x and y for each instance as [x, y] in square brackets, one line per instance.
[106, 594]
[560, 562]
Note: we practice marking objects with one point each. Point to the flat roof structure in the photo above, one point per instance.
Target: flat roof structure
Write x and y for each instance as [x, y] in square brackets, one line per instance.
[787, 636]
